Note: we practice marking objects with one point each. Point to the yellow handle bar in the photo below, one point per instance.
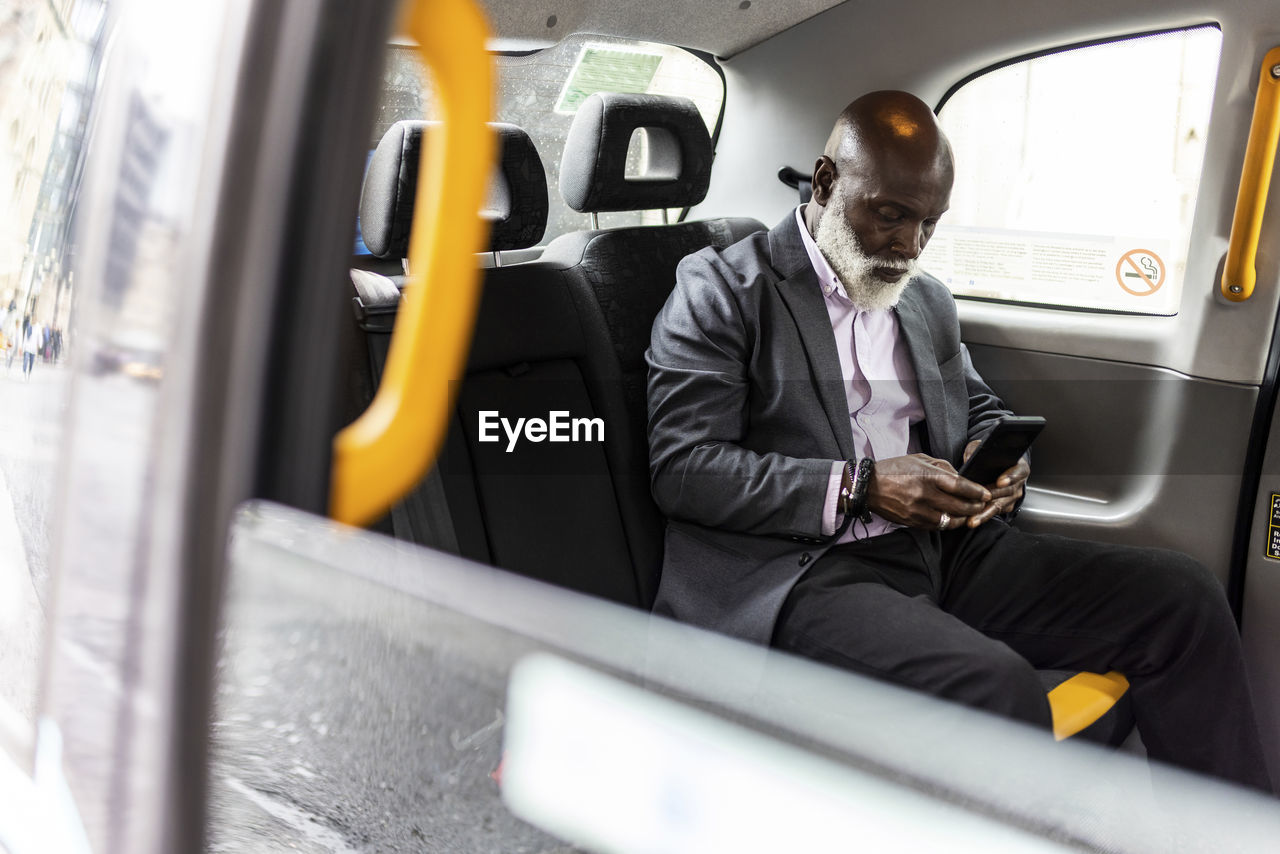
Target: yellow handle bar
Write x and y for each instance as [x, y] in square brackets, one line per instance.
[1083, 699]
[380, 456]
[1240, 274]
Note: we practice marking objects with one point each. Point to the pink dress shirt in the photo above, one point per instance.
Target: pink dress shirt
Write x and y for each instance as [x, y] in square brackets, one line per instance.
[879, 384]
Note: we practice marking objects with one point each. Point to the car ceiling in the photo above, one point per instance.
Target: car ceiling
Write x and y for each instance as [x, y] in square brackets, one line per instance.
[719, 27]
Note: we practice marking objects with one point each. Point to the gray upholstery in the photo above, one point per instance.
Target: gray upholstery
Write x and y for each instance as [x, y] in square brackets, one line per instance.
[516, 207]
[593, 170]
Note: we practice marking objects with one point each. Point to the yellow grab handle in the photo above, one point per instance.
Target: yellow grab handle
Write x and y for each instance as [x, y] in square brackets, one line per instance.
[1082, 699]
[380, 456]
[1240, 274]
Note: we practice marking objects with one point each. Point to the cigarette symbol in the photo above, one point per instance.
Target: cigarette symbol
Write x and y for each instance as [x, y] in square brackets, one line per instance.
[1144, 265]
[1152, 271]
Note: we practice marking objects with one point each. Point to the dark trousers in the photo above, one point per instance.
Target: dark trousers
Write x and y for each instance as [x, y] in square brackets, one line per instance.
[970, 614]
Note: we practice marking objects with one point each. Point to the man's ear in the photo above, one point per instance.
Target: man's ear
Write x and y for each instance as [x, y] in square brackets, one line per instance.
[824, 176]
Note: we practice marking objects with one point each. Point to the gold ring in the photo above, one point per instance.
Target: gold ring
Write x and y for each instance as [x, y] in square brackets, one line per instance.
[944, 521]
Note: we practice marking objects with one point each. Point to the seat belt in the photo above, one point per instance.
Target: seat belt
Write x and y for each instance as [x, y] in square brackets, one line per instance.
[798, 181]
[423, 516]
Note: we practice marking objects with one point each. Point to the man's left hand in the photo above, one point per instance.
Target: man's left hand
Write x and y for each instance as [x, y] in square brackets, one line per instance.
[1005, 492]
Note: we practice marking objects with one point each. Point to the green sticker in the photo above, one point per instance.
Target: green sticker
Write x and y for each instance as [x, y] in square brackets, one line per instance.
[602, 70]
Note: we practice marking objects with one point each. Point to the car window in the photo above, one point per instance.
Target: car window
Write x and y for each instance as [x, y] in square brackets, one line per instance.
[377, 696]
[49, 58]
[1077, 174]
[541, 91]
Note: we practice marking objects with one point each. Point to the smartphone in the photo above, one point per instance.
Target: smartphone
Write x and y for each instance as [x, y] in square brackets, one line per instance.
[1002, 448]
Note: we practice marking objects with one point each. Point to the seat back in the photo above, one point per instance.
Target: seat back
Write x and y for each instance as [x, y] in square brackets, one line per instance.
[628, 273]
[539, 506]
[559, 342]
[546, 498]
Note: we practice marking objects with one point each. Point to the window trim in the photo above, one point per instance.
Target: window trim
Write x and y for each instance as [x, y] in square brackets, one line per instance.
[1027, 57]
[710, 60]
[1049, 51]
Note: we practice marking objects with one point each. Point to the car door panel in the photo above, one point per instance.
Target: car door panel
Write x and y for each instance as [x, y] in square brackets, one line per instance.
[1124, 447]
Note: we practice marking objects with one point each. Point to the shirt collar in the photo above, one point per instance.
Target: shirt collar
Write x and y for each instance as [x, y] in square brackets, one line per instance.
[827, 277]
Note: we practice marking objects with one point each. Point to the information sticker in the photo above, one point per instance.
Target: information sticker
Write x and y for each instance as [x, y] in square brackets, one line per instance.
[1084, 271]
[1273, 528]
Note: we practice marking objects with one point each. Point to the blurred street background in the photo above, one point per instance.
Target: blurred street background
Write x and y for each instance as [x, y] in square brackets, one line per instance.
[28, 447]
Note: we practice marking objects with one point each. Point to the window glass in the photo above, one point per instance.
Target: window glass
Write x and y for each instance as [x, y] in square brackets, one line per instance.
[1077, 174]
[540, 92]
[49, 59]
[374, 696]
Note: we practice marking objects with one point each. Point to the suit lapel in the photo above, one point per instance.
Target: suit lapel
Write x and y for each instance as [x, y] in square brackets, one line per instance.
[915, 331]
[802, 294]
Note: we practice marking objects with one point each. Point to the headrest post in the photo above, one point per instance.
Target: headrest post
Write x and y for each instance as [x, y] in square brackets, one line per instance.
[665, 219]
[595, 220]
[497, 258]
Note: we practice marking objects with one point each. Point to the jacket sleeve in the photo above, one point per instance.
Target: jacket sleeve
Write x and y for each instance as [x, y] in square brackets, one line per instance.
[985, 407]
[698, 400]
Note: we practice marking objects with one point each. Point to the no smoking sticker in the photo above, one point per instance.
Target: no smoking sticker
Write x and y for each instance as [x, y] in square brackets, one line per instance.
[1140, 272]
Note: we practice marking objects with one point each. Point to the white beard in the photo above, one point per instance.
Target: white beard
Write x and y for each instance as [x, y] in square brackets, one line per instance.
[843, 250]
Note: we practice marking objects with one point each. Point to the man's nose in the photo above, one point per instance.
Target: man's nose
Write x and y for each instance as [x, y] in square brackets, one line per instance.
[910, 241]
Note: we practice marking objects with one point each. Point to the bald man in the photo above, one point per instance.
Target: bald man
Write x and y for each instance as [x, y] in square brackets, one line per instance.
[809, 403]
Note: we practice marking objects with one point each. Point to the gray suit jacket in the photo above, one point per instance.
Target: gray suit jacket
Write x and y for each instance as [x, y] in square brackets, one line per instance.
[747, 411]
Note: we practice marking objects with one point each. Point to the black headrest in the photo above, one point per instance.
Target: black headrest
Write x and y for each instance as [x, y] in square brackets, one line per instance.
[593, 169]
[516, 207]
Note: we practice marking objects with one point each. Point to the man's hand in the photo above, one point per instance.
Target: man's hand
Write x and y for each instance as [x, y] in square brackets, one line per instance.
[1006, 491]
[917, 490]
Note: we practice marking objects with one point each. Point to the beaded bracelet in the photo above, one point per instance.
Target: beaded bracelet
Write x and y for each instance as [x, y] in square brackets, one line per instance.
[861, 486]
[853, 498]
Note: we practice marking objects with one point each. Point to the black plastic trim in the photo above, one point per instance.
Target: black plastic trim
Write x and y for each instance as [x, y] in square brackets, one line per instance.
[1251, 477]
[711, 60]
[791, 176]
[1077, 309]
[311, 310]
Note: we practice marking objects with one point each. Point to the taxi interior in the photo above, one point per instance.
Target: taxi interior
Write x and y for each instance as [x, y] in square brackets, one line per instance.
[1154, 417]
[1159, 388]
